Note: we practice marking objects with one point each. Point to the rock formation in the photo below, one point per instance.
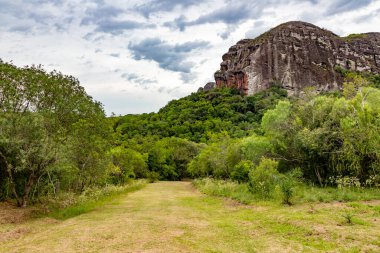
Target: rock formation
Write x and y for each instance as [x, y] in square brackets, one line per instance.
[207, 87]
[295, 55]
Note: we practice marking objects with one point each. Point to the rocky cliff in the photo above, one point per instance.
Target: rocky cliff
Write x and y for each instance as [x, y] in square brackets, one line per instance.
[295, 55]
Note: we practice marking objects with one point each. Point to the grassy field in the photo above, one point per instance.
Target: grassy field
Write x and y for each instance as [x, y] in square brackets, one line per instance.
[302, 193]
[175, 217]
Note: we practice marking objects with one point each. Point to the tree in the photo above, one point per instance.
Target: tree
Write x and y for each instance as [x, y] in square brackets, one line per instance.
[41, 115]
[27, 151]
[127, 164]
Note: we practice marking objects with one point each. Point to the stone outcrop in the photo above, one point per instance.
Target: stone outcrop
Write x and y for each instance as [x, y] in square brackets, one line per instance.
[295, 55]
[207, 87]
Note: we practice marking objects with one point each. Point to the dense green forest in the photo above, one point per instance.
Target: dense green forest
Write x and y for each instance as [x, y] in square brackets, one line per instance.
[55, 138]
[225, 135]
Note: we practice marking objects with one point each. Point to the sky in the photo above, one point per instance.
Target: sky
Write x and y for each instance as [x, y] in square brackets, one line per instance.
[135, 56]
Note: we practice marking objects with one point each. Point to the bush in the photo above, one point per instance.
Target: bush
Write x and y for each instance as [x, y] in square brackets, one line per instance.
[153, 176]
[288, 183]
[263, 179]
[223, 188]
[287, 190]
[241, 171]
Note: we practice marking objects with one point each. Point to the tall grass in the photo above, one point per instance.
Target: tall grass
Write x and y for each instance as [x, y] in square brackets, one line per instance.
[302, 193]
[228, 189]
[69, 205]
[305, 193]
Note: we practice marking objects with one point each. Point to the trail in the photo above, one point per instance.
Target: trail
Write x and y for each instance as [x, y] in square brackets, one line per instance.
[162, 217]
[175, 217]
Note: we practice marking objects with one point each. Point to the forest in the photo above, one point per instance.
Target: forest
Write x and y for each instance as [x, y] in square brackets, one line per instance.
[55, 138]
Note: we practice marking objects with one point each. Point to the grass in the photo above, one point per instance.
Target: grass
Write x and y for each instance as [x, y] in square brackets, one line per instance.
[175, 217]
[355, 36]
[329, 194]
[92, 199]
[228, 189]
[302, 193]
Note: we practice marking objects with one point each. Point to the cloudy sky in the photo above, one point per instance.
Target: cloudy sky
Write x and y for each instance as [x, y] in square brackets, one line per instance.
[135, 56]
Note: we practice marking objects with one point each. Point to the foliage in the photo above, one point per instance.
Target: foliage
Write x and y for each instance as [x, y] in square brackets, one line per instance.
[255, 147]
[217, 159]
[225, 188]
[327, 135]
[169, 157]
[49, 128]
[263, 179]
[302, 193]
[127, 164]
[198, 115]
[348, 218]
[241, 171]
[88, 200]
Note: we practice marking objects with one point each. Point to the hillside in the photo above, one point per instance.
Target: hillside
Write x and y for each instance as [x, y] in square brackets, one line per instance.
[199, 115]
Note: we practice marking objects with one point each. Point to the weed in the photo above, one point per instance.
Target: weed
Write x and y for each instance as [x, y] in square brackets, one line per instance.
[348, 217]
[287, 189]
[91, 199]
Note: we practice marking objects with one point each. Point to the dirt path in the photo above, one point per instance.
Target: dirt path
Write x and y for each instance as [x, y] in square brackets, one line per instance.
[162, 217]
[174, 217]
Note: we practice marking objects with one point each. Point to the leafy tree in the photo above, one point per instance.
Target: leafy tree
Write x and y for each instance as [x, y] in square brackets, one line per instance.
[26, 150]
[170, 157]
[42, 114]
[127, 163]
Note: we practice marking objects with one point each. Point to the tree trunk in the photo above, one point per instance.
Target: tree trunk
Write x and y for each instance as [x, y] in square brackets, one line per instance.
[27, 189]
[13, 186]
[318, 176]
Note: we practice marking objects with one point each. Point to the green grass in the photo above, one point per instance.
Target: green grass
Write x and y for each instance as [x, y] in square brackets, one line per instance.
[355, 36]
[92, 199]
[228, 189]
[173, 217]
[302, 194]
[306, 193]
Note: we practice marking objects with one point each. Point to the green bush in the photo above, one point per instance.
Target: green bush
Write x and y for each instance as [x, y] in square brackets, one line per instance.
[263, 179]
[287, 190]
[288, 183]
[223, 188]
[153, 176]
[241, 171]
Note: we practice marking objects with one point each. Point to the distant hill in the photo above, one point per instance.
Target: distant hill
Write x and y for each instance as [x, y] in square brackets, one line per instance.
[199, 115]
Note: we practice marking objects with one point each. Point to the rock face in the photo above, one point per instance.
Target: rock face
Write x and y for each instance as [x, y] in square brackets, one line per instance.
[207, 87]
[295, 55]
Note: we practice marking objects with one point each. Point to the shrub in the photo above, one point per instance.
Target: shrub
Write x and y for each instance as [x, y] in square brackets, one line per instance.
[288, 183]
[153, 176]
[263, 179]
[287, 190]
[223, 188]
[241, 171]
[348, 217]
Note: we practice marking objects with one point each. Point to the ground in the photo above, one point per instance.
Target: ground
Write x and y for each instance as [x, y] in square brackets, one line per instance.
[175, 217]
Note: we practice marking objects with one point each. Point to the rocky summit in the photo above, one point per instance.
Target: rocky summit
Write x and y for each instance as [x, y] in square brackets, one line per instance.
[296, 55]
